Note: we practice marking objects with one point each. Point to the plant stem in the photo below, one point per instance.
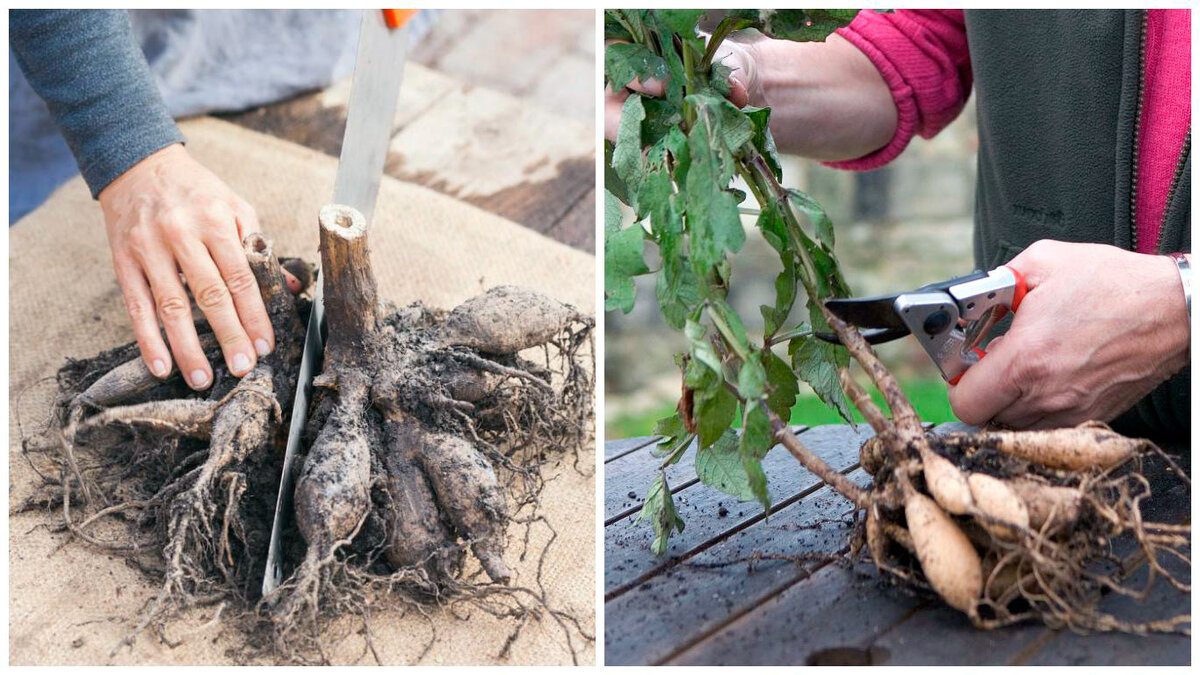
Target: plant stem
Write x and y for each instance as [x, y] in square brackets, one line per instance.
[723, 30]
[677, 451]
[726, 333]
[828, 475]
[790, 335]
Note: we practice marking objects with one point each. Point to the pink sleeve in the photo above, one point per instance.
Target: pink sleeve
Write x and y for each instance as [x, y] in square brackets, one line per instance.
[922, 55]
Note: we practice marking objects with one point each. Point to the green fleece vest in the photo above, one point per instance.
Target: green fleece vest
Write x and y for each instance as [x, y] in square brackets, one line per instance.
[1057, 99]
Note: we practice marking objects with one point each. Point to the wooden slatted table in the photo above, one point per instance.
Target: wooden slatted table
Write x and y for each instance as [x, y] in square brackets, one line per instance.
[735, 588]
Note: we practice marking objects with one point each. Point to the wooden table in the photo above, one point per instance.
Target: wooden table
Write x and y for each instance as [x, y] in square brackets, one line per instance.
[724, 593]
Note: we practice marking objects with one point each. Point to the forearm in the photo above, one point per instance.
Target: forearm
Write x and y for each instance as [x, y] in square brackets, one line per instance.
[88, 68]
[827, 100]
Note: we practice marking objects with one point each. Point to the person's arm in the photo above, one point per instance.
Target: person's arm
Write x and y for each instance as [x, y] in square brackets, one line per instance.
[87, 67]
[163, 211]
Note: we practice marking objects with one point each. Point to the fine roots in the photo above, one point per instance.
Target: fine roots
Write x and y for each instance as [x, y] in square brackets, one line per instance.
[427, 437]
[1009, 526]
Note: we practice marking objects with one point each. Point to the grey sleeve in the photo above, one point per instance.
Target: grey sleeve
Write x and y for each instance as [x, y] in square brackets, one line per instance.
[88, 68]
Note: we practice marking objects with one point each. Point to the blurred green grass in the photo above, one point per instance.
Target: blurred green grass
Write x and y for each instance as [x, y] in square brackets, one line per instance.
[927, 394]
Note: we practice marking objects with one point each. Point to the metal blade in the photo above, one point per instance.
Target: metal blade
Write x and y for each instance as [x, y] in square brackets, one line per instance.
[378, 71]
[310, 365]
[876, 312]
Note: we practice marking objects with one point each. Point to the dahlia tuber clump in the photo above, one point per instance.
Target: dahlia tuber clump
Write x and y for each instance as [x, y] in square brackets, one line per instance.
[426, 434]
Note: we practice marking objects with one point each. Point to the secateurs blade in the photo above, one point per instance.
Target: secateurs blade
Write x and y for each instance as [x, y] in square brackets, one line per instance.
[949, 318]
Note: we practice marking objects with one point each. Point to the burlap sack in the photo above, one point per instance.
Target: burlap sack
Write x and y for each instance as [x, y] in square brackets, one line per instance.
[71, 603]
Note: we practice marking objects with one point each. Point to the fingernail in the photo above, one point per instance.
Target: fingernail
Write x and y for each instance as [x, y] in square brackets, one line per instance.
[199, 378]
[241, 363]
[159, 367]
[261, 346]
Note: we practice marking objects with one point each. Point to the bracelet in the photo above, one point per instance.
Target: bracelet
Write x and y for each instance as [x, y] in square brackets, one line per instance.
[1185, 277]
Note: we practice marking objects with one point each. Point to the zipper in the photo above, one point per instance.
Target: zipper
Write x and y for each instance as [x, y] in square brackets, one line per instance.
[1137, 132]
[1178, 175]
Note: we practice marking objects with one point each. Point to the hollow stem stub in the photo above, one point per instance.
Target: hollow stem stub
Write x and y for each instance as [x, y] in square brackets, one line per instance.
[351, 301]
[260, 255]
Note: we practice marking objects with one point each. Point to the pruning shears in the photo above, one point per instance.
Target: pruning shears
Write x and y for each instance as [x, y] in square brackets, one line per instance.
[949, 318]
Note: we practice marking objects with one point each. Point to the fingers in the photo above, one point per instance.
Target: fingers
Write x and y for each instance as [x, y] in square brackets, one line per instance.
[235, 273]
[215, 299]
[613, 102]
[139, 304]
[293, 284]
[988, 387]
[175, 313]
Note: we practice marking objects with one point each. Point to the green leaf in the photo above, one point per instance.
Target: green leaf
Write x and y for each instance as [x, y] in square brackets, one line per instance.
[800, 25]
[714, 410]
[659, 510]
[702, 350]
[816, 362]
[661, 118]
[713, 222]
[752, 378]
[676, 290]
[613, 182]
[681, 21]
[735, 126]
[720, 466]
[625, 62]
[671, 429]
[757, 439]
[764, 142]
[821, 224]
[627, 155]
[785, 297]
[737, 331]
[614, 26]
[622, 258]
[782, 387]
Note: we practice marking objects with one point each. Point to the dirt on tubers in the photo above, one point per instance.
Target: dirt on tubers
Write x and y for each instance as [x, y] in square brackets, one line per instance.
[1008, 526]
[426, 438]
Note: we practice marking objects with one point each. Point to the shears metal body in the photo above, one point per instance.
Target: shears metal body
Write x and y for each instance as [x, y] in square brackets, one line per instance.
[949, 318]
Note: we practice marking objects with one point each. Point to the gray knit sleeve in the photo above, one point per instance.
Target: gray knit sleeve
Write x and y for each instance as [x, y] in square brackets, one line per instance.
[87, 66]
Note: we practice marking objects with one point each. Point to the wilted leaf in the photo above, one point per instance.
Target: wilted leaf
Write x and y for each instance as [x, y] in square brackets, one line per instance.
[756, 442]
[713, 222]
[659, 510]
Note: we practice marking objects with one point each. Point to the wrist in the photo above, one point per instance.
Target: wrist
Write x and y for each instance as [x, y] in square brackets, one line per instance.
[1176, 306]
[148, 163]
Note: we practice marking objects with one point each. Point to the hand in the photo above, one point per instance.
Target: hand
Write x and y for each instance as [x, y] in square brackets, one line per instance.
[1099, 329]
[738, 56]
[168, 214]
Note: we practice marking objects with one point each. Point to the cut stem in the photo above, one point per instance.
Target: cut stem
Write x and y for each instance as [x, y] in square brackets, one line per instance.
[351, 303]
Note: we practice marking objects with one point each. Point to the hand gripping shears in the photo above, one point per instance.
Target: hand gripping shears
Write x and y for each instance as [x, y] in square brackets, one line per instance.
[949, 318]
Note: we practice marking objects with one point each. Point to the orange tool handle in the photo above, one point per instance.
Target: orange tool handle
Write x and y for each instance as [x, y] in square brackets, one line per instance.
[1018, 295]
[396, 18]
[1019, 291]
